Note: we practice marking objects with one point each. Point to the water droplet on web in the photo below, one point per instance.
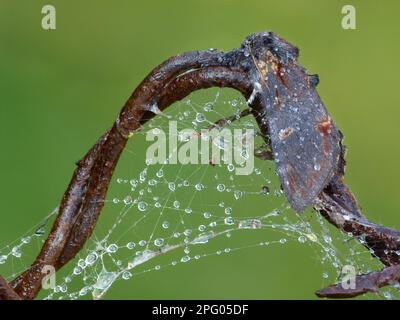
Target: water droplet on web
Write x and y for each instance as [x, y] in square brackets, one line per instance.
[126, 275]
[325, 275]
[229, 221]
[3, 259]
[130, 245]
[200, 117]
[128, 200]
[199, 186]
[221, 187]
[188, 210]
[83, 291]
[133, 183]
[187, 232]
[104, 281]
[302, 239]
[244, 154]
[142, 243]
[177, 204]
[159, 242]
[16, 252]
[77, 270]
[265, 190]
[160, 173]
[91, 258]
[112, 248]
[202, 227]
[185, 259]
[165, 224]
[317, 167]
[207, 215]
[26, 240]
[142, 206]
[282, 241]
[171, 186]
[312, 237]
[186, 250]
[208, 107]
[237, 194]
[387, 295]
[228, 211]
[250, 224]
[82, 263]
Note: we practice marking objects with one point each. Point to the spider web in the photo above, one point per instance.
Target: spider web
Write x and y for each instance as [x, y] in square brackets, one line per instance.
[159, 216]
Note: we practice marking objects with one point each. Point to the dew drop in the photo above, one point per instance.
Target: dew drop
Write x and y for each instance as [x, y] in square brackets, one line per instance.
[237, 194]
[77, 270]
[126, 275]
[3, 259]
[142, 243]
[207, 215]
[130, 245]
[199, 187]
[26, 240]
[185, 258]
[177, 204]
[200, 117]
[16, 252]
[128, 200]
[159, 242]
[165, 224]
[112, 248]
[302, 239]
[142, 206]
[91, 258]
[171, 186]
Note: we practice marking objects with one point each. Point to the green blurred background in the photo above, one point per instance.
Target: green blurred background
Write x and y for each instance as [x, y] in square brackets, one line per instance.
[61, 89]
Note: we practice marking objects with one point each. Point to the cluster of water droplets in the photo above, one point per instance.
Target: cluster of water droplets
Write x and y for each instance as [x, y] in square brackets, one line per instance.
[160, 216]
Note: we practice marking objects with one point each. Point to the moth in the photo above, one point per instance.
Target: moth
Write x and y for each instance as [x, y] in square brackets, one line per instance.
[305, 142]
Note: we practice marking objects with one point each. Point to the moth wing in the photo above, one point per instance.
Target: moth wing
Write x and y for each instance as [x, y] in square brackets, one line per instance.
[304, 138]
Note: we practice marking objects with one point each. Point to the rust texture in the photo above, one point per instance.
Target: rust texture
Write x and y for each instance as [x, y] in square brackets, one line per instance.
[280, 94]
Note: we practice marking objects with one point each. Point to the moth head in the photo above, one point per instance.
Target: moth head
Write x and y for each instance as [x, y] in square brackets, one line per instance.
[266, 43]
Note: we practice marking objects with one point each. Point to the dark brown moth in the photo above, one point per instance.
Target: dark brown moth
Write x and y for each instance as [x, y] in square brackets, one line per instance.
[305, 141]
